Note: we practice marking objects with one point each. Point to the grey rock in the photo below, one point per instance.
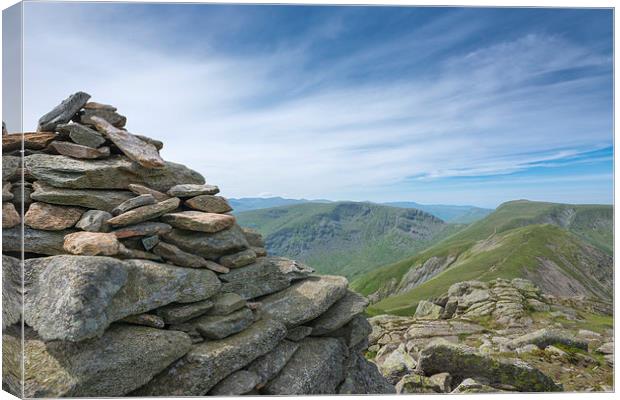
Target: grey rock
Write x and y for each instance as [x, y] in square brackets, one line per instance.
[315, 368]
[78, 151]
[105, 200]
[141, 189]
[298, 333]
[221, 326]
[11, 168]
[235, 384]
[545, 337]
[363, 377]
[144, 213]
[470, 385]
[104, 367]
[192, 190]
[88, 117]
[606, 348]
[239, 259]
[179, 313]
[10, 216]
[267, 275]
[209, 203]
[134, 202]
[414, 383]
[465, 362]
[426, 309]
[93, 105]
[22, 194]
[305, 300]
[210, 362]
[154, 321]
[11, 291]
[82, 135]
[116, 172]
[77, 297]
[253, 237]
[148, 242]
[34, 240]
[210, 246]
[226, 303]
[268, 366]
[396, 364]
[339, 314]
[94, 221]
[177, 256]
[354, 332]
[6, 191]
[62, 113]
[199, 221]
[142, 229]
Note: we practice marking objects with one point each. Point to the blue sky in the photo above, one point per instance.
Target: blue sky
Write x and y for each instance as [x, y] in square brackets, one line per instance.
[435, 105]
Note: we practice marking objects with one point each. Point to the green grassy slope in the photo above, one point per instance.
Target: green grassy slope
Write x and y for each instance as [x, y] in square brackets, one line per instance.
[517, 236]
[345, 238]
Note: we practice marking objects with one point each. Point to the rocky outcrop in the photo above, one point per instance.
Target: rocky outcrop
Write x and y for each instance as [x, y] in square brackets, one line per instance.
[138, 281]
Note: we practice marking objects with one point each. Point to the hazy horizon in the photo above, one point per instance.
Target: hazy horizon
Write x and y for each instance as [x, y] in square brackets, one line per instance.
[471, 106]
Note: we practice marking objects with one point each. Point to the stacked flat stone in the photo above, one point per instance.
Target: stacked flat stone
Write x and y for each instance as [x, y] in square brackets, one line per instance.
[139, 281]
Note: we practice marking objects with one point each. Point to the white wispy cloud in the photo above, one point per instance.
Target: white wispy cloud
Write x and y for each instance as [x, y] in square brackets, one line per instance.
[260, 122]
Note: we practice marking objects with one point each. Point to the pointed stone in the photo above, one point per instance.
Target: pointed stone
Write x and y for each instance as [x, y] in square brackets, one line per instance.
[49, 217]
[134, 202]
[209, 204]
[104, 200]
[199, 221]
[145, 213]
[192, 190]
[62, 113]
[136, 149]
[82, 135]
[78, 151]
[140, 189]
[115, 172]
[94, 221]
[10, 216]
[92, 244]
[91, 116]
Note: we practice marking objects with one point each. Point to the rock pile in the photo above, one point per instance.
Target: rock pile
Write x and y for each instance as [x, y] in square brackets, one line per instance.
[489, 337]
[139, 281]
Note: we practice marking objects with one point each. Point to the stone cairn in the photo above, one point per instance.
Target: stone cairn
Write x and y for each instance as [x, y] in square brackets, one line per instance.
[138, 281]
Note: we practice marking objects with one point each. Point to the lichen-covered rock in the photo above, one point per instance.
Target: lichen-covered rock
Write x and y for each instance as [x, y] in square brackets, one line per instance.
[428, 310]
[354, 332]
[239, 259]
[143, 229]
[94, 221]
[192, 190]
[545, 337]
[178, 313]
[208, 363]
[266, 367]
[464, 362]
[363, 377]
[226, 303]
[199, 221]
[82, 135]
[134, 202]
[34, 240]
[11, 168]
[177, 256]
[123, 359]
[317, 367]
[221, 326]
[414, 383]
[209, 204]
[235, 384]
[77, 297]
[470, 385]
[266, 275]
[78, 151]
[141, 189]
[305, 300]
[144, 213]
[11, 291]
[396, 364]
[115, 172]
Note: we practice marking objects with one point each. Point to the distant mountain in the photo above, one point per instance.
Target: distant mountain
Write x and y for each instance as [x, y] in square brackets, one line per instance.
[565, 249]
[346, 238]
[453, 214]
[448, 213]
[259, 203]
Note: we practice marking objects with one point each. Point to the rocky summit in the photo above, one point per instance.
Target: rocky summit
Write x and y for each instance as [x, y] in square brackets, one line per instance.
[139, 281]
[497, 336]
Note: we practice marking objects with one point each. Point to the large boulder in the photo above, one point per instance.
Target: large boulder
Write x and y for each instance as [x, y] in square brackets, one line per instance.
[210, 362]
[123, 359]
[546, 337]
[305, 300]
[363, 377]
[317, 367]
[77, 297]
[116, 172]
[465, 362]
[266, 275]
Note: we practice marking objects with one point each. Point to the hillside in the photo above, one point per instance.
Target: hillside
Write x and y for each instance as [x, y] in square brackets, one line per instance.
[346, 238]
[566, 249]
[448, 213]
[259, 203]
